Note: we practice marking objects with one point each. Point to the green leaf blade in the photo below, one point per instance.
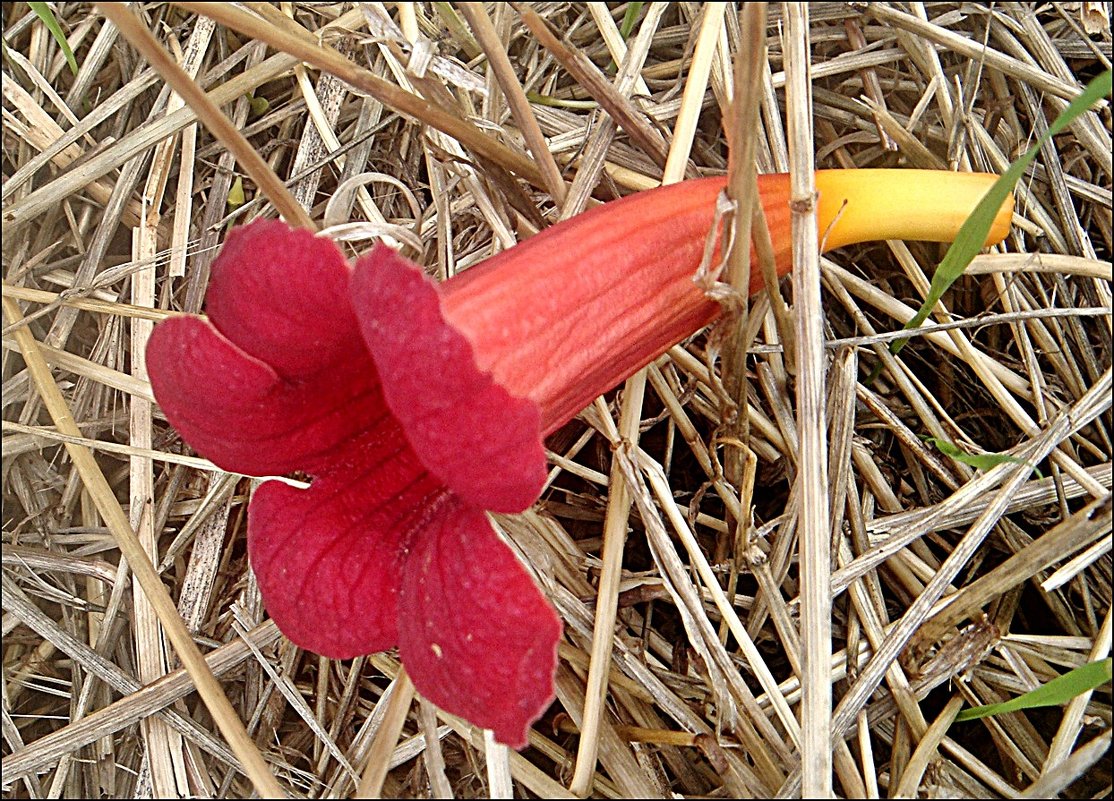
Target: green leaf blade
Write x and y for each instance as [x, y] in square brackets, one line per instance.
[972, 234]
[43, 12]
[979, 461]
[1056, 692]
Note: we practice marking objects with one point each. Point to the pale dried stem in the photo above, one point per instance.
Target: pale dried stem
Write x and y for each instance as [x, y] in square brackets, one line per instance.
[215, 699]
[741, 188]
[488, 39]
[209, 114]
[619, 500]
[812, 476]
[378, 757]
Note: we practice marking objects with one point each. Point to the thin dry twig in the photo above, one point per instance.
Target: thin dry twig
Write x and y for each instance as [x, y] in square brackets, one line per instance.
[812, 478]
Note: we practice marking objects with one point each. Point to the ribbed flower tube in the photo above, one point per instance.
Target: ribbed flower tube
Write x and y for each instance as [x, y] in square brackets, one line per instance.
[571, 312]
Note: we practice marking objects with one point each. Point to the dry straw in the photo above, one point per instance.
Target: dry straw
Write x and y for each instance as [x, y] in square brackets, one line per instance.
[771, 581]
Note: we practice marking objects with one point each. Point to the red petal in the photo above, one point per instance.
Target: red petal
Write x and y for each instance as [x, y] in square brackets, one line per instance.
[234, 409]
[483, 442]
[475, 634]
[329, 559]
[281, 295]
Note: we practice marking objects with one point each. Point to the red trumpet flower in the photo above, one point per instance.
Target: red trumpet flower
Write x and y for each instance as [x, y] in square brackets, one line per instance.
[415, 407]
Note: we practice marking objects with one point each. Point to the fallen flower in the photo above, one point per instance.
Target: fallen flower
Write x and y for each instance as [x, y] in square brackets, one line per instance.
[415, 407]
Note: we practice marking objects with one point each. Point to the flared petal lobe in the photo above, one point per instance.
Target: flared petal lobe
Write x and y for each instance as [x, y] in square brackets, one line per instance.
[481, 440]
[281, 294]
[329, 559]
[476, 635]
[277, 380]
[238, 412]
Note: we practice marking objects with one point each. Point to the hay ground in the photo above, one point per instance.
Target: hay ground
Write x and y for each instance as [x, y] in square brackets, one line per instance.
[116, 201]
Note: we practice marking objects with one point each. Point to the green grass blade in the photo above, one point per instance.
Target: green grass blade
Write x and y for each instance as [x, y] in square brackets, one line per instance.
[974, 231]
[1054, 693]
[979, 461]
[546, 100]
[43, 12]
[629, 18]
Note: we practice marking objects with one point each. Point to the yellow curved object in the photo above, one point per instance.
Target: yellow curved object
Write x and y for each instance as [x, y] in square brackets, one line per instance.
[929, 205]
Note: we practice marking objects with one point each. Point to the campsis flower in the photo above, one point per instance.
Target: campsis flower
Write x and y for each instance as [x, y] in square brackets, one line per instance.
[415, 407]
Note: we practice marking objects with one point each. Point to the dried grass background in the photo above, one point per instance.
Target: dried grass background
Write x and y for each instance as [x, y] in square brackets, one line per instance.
[116, 201]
